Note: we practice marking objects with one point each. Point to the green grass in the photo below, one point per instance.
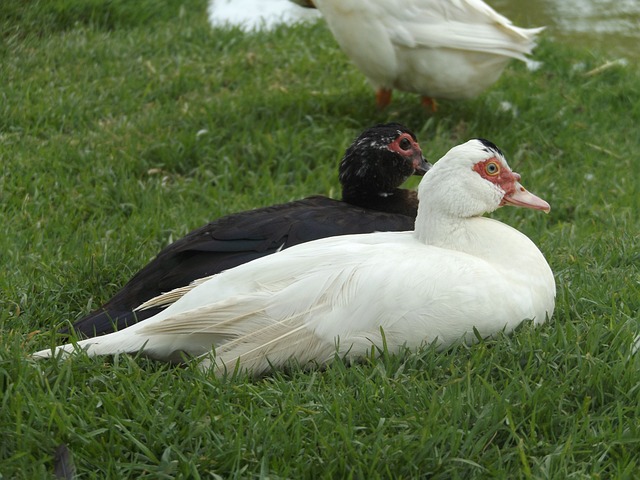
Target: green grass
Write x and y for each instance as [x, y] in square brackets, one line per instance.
[124, 125]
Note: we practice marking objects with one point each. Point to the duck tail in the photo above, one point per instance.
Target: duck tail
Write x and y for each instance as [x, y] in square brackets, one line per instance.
[123, 341]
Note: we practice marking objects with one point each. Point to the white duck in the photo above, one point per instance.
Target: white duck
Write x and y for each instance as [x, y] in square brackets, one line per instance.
[452, 49]
[457, 271]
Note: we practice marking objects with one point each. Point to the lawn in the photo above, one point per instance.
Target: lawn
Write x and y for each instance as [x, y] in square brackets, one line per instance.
[123, 125]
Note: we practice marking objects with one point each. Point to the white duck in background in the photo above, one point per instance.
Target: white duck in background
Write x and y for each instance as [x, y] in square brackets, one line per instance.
[449, 49]
[457, 271]
[253, 15]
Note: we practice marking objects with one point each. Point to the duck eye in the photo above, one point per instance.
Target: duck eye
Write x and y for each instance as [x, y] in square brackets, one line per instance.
[405, 144]
[492, 168]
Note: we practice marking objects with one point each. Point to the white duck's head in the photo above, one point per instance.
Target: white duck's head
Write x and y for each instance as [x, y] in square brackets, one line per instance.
[472, 179]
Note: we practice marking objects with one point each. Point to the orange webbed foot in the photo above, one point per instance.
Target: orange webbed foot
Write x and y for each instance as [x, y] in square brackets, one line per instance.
[383, 98]
[429, 104]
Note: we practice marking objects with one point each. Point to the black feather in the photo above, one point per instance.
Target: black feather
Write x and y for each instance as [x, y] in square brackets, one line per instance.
[63, 467]
[490, 146]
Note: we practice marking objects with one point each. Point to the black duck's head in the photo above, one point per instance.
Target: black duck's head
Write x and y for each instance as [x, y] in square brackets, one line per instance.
[380, 160]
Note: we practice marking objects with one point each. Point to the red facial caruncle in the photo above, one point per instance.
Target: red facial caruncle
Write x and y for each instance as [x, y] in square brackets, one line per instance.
[406, 146]
[494, 171]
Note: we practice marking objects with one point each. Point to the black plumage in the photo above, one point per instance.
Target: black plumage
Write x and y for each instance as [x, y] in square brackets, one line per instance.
[372, 169]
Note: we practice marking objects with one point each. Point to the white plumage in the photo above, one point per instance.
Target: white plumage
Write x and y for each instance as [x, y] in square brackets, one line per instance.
[457, 271]
[450, 49]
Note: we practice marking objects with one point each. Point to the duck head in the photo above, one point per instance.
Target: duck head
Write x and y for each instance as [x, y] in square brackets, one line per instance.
[472, 179]
[380, 160]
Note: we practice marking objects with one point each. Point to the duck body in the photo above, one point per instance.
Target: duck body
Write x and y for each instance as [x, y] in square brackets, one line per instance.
[453, 49]
[370, 172]
[457, 271]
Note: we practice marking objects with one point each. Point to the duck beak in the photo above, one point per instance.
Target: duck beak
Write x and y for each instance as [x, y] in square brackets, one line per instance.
[521, 197]
[420, 165]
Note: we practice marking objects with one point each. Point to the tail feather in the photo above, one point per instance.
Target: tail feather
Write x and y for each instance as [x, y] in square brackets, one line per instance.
[236, 329]
[64, 350]
[104, 345]
[172, 296]
[508, 41]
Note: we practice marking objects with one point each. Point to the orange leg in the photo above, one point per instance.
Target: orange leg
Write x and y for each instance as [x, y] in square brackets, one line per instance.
[383, 97]
[429, 104]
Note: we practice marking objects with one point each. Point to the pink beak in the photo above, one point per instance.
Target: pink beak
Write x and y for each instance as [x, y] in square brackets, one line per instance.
[521, 197]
